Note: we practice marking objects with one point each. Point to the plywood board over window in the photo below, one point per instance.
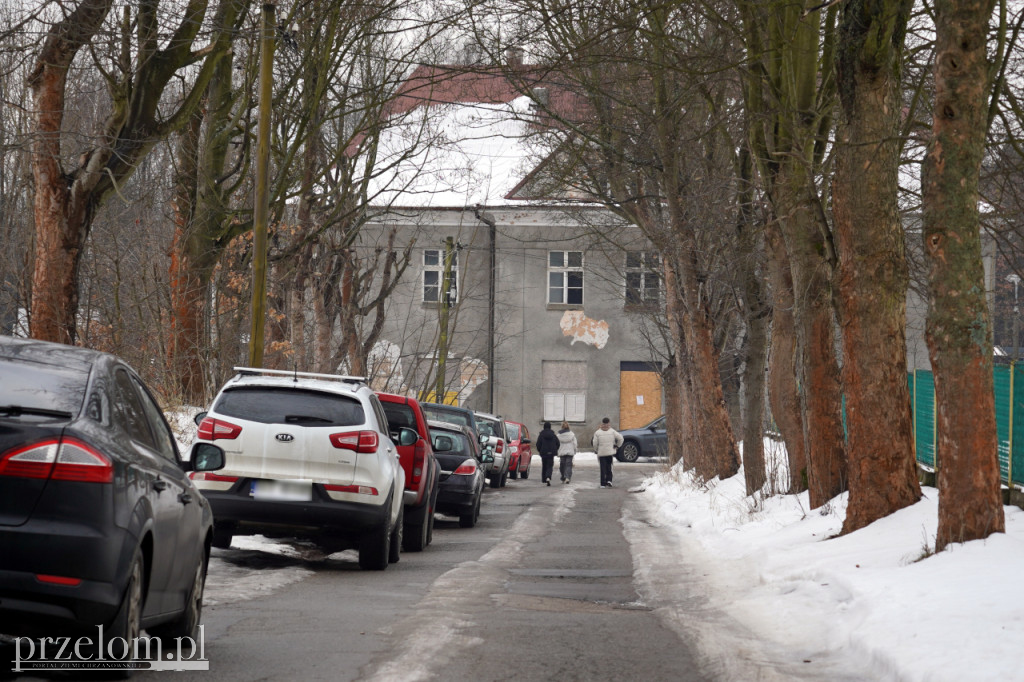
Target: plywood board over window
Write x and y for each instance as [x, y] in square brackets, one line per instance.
[640, 394]
[565, 390]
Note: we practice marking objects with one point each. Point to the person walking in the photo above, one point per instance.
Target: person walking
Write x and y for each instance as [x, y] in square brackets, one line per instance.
[566, 449]
[547, 447]
[606, 442]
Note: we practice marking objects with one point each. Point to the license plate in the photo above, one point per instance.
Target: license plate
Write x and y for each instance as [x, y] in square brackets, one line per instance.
[288, 491]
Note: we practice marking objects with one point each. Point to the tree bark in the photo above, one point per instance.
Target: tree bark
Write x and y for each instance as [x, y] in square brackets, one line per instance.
[872, 274]
[808, 247]
[959, 333]
[783, 393]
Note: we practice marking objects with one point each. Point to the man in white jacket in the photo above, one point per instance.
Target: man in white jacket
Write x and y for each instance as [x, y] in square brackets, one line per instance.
[606, 442]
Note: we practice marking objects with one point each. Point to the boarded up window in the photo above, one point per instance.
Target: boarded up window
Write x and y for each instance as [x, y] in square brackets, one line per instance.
[565, 390]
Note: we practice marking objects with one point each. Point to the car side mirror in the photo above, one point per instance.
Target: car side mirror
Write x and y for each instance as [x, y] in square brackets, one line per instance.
[407, 436]
[205, 457]
[200, 417]
[487, 457]
[443, 444]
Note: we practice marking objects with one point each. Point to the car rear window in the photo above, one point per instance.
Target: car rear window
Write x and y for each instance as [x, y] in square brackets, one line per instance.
[451, 417]
[512, 430]
[273, 405]
[42, 386]
[399, 415]
[488, 427]
[460, 444]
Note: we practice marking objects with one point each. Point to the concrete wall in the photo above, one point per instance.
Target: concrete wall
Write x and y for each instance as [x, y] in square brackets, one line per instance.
[600, 333]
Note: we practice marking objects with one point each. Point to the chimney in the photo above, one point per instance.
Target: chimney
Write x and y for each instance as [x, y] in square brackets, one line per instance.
[514, 56]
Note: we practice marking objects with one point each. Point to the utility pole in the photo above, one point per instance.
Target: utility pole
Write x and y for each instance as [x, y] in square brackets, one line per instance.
[492, 250]
[444, 303]
[1015, 279]
[261, 202]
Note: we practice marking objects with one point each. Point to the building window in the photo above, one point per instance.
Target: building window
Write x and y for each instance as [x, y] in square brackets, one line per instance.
[565, 277]
[643, 281]
[433, 276]
[565, 390]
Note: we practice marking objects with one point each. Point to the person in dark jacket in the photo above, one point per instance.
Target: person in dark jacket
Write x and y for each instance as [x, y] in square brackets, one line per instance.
[547, 447]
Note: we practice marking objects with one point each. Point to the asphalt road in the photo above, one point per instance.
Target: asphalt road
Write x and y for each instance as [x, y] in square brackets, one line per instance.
[541, 589]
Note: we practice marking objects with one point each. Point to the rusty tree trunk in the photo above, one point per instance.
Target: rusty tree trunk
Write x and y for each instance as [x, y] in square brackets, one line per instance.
[806, 246]
[959, 333]
[872, 275]
[62, 209]
[187, 286]
[783, 392]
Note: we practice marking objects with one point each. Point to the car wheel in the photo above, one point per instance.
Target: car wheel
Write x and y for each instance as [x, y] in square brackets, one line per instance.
[504, 479]
[513, 474]
[525, 474]
[222, 538]
[416, 534]
[469, 519]
[187, 624]
[494, 480]
[374, 548]
[395, 546]
[630, 451]
[127, 622]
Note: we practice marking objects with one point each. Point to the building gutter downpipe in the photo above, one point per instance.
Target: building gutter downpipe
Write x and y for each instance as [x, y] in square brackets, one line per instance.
[488, 219]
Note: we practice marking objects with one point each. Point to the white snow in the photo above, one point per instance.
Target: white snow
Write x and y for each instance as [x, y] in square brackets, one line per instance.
[771, 591]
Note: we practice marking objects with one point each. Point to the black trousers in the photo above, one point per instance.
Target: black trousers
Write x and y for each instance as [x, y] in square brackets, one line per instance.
[547, 467]
[606, 469]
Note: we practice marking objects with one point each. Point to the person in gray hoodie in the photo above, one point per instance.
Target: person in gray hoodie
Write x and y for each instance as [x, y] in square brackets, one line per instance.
[566, 449]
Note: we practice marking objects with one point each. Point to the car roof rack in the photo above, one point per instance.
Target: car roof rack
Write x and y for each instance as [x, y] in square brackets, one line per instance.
[257, 371]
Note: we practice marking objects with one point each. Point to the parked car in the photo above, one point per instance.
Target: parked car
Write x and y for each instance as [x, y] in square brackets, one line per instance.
[520, 450]
[99, 523]
[421, 470]
[495, 441]
[647, 441]
[462, 471]
[307, 455]
[453, 414]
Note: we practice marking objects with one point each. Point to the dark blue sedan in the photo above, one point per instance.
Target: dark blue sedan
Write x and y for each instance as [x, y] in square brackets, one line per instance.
[646, 441]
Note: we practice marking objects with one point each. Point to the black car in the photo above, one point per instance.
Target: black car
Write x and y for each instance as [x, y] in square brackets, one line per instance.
[99, 523]
[646, 441]
[462, 477]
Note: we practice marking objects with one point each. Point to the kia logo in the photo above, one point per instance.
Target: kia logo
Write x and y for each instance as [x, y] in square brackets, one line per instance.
[285, 437]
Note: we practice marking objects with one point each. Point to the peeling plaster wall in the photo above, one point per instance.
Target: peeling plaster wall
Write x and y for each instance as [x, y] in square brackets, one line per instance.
[529, 330]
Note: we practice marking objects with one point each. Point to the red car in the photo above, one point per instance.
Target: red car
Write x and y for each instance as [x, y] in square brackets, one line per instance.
[421, 470]
[520, 452]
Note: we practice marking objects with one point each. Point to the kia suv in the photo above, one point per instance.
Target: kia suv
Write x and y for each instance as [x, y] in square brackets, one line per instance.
[306, 455]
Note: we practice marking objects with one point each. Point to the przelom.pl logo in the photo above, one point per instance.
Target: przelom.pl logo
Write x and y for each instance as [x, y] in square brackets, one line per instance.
[109, 653]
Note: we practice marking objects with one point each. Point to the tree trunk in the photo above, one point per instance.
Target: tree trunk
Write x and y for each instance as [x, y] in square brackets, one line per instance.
[675, 422]
[872, 275]
[61, 209]
[815, 334]
[755, 315]
[959, 334]
[783, 392]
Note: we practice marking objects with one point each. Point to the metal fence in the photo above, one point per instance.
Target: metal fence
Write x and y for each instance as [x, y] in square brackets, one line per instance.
[1009, 392]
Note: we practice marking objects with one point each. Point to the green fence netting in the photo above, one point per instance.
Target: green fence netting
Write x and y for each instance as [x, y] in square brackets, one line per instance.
[1008, 385]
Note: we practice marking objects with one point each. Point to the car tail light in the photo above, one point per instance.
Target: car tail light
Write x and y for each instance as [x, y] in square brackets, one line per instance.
[465, 469]
[58, 580]
[419, 460]
[210, 476]
[500, 446]
[65, 459]
[76, 461]
[360, 489]
[31, 461]
[360, 441]
[213, 429]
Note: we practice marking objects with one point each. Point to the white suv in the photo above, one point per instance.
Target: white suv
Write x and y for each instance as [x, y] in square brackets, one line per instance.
[306, 455]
